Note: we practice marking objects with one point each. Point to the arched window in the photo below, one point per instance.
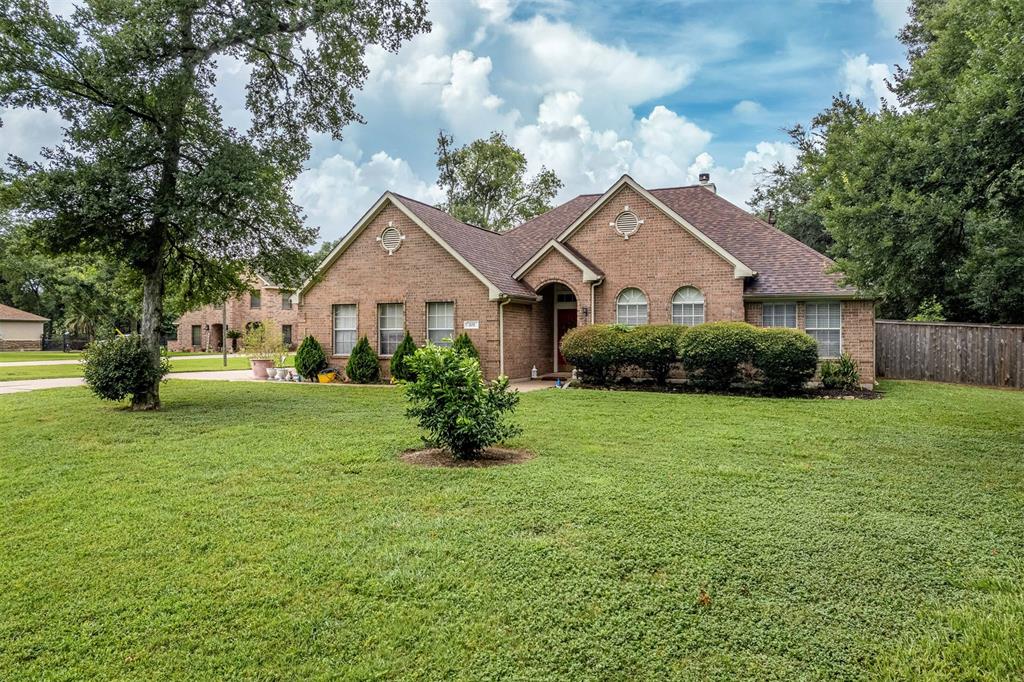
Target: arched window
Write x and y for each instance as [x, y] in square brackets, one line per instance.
[688, 307]
[631, 307]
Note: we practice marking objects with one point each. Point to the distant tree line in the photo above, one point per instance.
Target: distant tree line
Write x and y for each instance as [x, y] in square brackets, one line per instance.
[922, 202]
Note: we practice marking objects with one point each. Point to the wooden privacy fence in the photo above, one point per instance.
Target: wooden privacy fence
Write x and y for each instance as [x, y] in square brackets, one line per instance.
[950, 351]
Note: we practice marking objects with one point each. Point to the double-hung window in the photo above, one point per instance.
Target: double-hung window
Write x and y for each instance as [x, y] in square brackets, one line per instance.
[286, 300]
[440, 322]
[344, 328]
[390, 327]
[254, 300]
[779, 315]
[197, 335]
[824, 323]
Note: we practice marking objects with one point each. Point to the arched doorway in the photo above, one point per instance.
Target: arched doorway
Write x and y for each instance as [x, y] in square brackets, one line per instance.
[216, 337]
[558, 314]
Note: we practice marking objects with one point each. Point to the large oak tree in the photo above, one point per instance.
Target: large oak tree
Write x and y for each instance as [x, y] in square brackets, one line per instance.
[147, 171]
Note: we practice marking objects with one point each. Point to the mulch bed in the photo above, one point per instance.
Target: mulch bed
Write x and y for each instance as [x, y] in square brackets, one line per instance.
[490, 457]
[745, 391]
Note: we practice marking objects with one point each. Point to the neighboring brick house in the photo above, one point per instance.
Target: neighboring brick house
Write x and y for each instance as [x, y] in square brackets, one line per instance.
[679, 255]
[20, 330]
[203, 329]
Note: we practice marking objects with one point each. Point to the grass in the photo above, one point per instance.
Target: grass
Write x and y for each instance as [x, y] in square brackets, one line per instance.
[30, 355]
[264, 531]
[209, 364]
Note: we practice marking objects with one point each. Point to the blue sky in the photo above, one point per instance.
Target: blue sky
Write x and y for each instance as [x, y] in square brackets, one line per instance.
[661, 90]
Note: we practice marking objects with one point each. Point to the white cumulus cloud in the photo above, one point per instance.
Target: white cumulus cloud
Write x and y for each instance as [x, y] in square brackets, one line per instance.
[865, 81]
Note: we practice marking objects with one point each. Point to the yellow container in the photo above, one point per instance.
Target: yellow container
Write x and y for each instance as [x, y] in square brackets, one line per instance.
[326, 377]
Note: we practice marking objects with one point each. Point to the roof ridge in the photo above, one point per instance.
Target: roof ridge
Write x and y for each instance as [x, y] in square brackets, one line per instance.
[441, 210]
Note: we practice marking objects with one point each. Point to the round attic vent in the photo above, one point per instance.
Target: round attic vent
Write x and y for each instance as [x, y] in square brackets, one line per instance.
[390, 239]
[626, 223]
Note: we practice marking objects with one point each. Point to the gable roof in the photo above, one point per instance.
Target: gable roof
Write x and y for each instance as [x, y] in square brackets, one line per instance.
[772, 263]
[784, 265]
[739, 268]
[11, 314]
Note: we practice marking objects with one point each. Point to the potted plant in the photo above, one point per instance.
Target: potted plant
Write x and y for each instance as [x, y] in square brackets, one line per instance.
[262, 345]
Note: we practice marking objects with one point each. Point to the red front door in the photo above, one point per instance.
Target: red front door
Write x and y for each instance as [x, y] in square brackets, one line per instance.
[566, 318]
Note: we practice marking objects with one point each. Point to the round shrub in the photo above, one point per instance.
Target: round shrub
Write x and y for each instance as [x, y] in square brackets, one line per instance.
[463, 344]
[712, 353]
[400, 369]
[653, 349]
[598, 351]
[449, 398]
[121, 367]
[786, 359]
[363, 366]
[310, 358]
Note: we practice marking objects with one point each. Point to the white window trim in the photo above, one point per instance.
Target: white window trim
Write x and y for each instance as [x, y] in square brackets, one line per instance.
[796, 312]
[703, 303]
[334, 349]
[647, 304]
[426, 319]
[380, 351]
[840, 329]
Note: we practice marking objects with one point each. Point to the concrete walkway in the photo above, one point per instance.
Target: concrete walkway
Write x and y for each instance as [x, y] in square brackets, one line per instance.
[43, 363]
[23, 386]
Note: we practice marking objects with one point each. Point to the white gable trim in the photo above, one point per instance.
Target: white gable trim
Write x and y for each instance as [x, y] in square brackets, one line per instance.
[739, 269]
[588, 274]
[493, 293]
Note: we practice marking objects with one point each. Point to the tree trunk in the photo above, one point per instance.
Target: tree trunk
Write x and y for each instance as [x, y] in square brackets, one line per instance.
[152, 327]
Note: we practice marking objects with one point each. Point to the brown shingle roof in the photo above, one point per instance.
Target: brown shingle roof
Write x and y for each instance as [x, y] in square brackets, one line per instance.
[492, 254]
[9, 314]
[784, 265]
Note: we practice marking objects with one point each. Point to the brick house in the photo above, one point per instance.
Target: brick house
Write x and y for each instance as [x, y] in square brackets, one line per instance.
[680, 255]
[203, 329]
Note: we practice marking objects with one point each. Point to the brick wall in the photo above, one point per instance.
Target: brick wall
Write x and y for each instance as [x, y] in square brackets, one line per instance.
[420, 271]
[857, 333]
[21, 344]
[239, 313]
[658, 259]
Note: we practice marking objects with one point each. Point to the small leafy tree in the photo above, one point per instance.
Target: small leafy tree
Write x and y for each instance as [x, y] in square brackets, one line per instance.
[263, 342]
[122, 367]
[363, 365]
[400, 370]
[460, 412]
[464, 345]
[310, 358]
[234, 335]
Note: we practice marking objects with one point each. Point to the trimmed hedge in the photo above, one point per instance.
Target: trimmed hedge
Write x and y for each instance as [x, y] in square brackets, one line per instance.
[786, 359]
[597, 350]
[712, 353]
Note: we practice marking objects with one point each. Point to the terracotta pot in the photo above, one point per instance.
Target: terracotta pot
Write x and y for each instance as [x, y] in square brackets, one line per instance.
[260, 367]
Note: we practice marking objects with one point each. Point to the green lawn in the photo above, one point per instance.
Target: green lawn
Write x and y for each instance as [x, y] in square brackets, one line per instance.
[206, 364]
[32, 355]
[266, 531]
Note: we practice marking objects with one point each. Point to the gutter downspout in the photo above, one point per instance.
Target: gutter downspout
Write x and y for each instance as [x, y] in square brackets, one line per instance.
[501, 334]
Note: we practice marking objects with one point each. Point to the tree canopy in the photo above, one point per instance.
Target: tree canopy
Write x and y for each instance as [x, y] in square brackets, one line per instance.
[924, 199]
[485, 183]
[148, 173]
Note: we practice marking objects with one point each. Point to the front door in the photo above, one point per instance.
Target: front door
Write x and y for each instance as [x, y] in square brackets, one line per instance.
[565, 319]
